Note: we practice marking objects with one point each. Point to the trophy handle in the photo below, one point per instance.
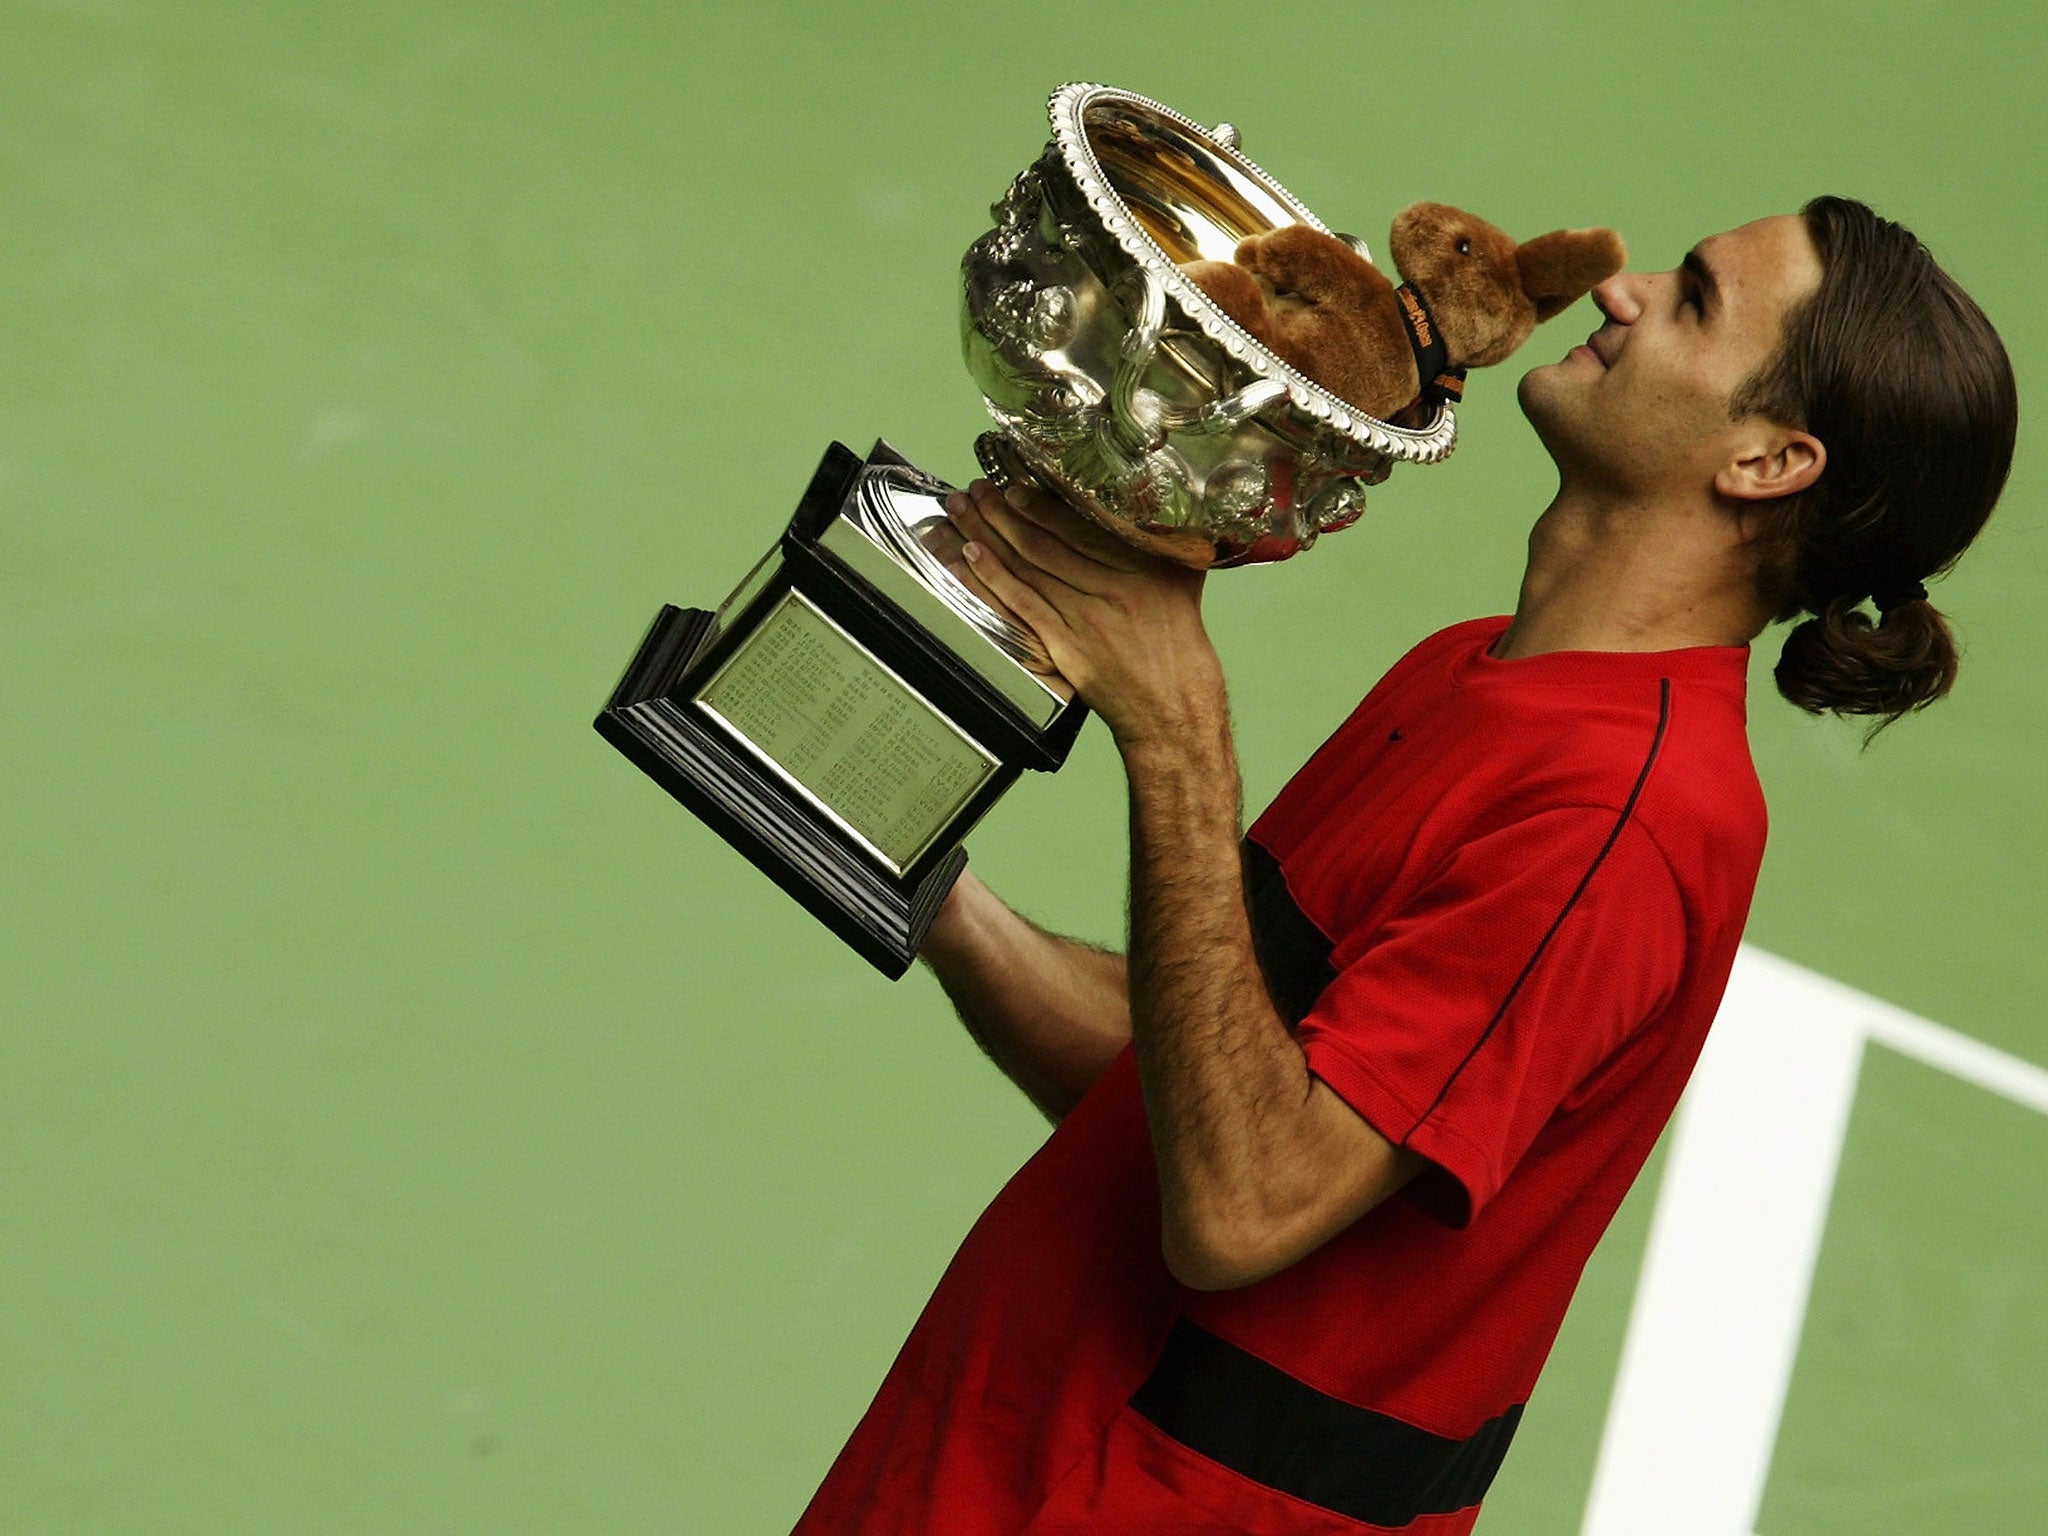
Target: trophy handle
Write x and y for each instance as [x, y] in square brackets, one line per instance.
[1228, 412]
[1136, 419]
[1139, 418]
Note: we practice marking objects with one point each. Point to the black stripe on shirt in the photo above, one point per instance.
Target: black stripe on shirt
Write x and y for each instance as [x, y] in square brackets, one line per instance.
[1263, 1424]
[1621, 821]
[1294, 955]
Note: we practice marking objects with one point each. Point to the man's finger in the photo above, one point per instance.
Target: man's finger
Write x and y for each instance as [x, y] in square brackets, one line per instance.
[1077, 531]
[968, 577]
[967, 516]
[1038, 547]
[976, 513]
[1019, 597]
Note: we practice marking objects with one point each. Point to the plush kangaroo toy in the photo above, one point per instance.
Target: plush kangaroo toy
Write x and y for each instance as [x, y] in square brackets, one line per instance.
[1471, 295]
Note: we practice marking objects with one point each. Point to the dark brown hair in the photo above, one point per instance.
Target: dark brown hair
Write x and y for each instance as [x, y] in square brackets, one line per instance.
[1897, 372]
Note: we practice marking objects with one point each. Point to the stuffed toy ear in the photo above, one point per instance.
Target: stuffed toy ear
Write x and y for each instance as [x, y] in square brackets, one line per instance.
[1563, 265]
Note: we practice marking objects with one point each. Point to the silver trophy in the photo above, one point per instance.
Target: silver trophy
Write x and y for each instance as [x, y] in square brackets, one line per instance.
[1115, 382]
[852, 709]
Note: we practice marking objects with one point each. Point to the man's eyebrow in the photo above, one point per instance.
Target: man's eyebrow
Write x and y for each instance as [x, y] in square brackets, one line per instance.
[1710, 286]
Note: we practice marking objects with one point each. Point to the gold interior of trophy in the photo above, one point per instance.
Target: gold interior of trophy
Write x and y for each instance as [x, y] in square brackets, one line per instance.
[1195, 203]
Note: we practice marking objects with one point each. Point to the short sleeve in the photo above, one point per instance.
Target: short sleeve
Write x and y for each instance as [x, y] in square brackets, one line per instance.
[1474, 1011]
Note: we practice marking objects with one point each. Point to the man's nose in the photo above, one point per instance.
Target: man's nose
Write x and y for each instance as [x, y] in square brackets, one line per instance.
[1620, 298]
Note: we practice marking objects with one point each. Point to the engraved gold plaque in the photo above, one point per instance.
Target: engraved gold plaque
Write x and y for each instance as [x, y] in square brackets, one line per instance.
[846, 731]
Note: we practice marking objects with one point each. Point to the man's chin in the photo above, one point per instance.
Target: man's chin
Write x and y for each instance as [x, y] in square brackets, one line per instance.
[1551, 406]
[1537, 392]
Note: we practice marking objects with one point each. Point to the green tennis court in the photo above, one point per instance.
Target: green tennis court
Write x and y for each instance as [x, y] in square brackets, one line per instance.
[410, 1120]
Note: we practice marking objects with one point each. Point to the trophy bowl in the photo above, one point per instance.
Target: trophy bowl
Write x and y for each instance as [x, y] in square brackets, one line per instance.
[1116, 383]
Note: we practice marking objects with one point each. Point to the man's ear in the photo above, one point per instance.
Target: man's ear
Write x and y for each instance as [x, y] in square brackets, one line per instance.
[1779, 461]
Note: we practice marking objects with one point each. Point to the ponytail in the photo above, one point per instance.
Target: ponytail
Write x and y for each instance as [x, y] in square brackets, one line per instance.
[1843, 662]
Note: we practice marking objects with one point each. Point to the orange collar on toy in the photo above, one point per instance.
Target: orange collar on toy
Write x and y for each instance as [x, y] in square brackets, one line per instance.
[1440, 381]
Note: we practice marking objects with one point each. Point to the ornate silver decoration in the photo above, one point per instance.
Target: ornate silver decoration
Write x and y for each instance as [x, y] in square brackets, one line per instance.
[1112, 378]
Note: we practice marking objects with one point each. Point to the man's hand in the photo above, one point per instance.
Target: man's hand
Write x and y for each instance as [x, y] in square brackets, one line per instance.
[1124, 627]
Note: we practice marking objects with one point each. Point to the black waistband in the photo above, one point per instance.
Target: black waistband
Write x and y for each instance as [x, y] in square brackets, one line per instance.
[1263, 1424]
[1440, 381]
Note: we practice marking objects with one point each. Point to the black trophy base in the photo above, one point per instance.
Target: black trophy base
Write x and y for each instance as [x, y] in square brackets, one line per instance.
[882, 917]
[836, 720]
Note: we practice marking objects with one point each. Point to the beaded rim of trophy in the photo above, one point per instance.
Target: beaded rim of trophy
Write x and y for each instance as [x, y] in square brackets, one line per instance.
[1114, 381]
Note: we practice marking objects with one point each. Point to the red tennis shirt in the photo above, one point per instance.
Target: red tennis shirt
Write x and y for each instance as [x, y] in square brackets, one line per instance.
[1498, 908]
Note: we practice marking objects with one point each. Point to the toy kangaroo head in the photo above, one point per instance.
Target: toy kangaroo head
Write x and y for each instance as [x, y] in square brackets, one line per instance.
[1485, 292]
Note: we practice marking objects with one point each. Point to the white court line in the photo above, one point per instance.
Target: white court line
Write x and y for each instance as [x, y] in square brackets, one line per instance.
[1715, 1326]
[1958, 1055]
[1935, 1045]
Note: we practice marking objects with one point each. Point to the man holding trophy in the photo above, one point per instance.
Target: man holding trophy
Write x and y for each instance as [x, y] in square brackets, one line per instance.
[1336, 1137]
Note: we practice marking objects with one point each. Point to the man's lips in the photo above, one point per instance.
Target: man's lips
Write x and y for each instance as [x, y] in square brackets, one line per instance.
[1591, 347]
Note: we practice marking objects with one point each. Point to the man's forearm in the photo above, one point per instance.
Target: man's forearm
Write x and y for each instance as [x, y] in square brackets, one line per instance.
[1220, 1069]
[1259, 1162]
[1051, 1012]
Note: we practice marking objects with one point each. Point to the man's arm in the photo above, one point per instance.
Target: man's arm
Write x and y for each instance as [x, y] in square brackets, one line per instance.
[1052, 1012]
[1259, 1162]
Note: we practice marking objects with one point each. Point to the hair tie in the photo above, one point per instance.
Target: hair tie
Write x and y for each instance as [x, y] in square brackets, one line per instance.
[1885, 602]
